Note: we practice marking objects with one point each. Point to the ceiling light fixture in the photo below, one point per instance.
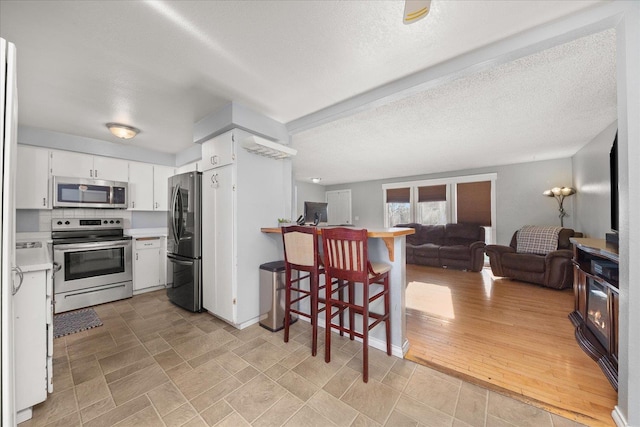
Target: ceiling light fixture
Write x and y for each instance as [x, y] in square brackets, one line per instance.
[122, 131]
[415, 10]
[316, 180]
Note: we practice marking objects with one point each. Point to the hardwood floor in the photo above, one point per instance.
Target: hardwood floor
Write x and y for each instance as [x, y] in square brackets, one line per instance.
[507, 336]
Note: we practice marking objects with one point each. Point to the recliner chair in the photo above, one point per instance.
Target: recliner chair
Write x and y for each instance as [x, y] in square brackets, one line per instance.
[553, 270]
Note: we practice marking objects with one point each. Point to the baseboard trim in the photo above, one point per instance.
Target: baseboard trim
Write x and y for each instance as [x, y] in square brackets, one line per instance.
[618, 418]
[397, 351]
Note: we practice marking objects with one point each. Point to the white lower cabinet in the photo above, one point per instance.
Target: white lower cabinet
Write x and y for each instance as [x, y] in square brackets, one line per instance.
[148, 264]
[33, 332]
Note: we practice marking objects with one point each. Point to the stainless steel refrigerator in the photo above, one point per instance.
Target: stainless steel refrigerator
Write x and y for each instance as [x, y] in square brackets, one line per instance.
[184, 243]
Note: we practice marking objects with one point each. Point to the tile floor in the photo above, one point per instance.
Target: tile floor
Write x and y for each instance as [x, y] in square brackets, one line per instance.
[154, 364]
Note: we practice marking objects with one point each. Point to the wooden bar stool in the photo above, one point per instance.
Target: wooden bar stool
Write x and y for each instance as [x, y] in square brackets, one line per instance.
[346, 259]
[301, 254]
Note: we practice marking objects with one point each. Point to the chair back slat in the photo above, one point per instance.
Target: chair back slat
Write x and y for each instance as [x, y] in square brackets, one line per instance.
[346, 253]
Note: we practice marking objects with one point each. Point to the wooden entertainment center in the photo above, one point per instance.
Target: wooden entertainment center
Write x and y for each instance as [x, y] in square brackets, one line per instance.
[595, 286]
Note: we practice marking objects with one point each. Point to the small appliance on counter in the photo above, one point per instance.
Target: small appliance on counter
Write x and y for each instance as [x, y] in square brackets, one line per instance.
[92, 262]
[184, 244]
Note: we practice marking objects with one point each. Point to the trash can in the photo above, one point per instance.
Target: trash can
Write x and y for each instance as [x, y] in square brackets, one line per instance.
[272, 296]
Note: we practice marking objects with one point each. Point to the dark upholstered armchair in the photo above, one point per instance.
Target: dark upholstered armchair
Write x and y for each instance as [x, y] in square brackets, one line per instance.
[553, 270]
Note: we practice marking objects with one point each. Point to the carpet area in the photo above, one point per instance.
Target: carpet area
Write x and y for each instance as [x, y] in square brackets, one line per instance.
[75, 321]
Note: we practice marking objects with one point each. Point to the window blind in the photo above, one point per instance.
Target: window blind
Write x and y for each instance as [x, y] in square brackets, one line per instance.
[398, 195]
[474, 202]
[432, 193]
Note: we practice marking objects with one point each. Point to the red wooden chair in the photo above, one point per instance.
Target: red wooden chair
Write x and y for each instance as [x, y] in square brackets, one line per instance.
[301, 255]
[346, 259]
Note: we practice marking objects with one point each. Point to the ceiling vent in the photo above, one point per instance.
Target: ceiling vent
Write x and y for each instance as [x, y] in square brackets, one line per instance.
[264, 147]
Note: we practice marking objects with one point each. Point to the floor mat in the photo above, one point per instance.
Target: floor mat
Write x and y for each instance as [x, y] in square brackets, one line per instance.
[75, 321]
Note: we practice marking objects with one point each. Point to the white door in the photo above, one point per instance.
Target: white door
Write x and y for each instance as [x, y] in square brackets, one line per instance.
[67, 163]
[146, 266]
[161, 176]
[140, 186]
[110, 168]
[32, 185]
[339, 207]
[8, 132]
[218, 251]
[218, 151]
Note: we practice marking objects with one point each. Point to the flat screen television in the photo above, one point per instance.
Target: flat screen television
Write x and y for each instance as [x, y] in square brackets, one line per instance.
[315, 213]
[613, 168]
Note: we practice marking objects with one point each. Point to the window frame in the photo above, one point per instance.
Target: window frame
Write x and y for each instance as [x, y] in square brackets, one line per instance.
[451, 191]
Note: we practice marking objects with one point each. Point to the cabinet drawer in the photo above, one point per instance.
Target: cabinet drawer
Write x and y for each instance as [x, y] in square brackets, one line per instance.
[147, 243]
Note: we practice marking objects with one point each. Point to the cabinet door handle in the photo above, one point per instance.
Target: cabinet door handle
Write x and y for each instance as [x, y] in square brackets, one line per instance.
[136, 256]
[91, 173]
[214, 160]
[96, 173]
[44, 201]
[156, 205]
[133, 204]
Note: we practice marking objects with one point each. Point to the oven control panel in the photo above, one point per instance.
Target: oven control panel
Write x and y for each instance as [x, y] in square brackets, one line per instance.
[85, 223]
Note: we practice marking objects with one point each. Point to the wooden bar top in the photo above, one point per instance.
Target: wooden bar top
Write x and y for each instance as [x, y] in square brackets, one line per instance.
[386, 234]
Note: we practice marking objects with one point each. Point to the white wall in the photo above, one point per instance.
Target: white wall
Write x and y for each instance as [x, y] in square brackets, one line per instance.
[307, 191]
[519, 199]
[593, 184]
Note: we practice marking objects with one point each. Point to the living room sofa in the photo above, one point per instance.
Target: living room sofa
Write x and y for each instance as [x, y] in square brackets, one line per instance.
[459, 246]
[553, 269]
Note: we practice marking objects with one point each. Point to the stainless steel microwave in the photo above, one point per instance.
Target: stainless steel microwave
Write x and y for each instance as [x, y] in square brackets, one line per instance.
[89, 193]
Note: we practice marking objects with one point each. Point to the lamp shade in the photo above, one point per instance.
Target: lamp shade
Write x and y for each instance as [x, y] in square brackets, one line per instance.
[122, 131]
[414, 10]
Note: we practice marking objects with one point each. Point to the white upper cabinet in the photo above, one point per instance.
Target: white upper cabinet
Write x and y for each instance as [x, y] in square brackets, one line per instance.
[32, 183]
[218, 151]
[140, 186]
[161, 176]
[190, 167]
[110, 168]
[67, 163]
[79, 165]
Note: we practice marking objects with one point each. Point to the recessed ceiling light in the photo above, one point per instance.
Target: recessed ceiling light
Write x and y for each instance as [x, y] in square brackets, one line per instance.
[122, 131]
[316, 180]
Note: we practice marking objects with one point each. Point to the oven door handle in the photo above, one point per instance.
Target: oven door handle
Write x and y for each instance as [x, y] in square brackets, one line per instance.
[91, 245]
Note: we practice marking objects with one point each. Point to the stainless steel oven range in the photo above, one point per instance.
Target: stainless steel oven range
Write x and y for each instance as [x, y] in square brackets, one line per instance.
[92, 262]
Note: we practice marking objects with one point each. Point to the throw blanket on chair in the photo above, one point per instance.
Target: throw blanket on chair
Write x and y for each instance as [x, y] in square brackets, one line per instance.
[534, 239]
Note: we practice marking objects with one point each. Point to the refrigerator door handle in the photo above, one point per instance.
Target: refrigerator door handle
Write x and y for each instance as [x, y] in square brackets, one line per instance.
[180, 229]
[174, 201]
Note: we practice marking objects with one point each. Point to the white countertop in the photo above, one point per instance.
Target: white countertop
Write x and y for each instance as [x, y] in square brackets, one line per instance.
[36, 236]
[34, 259]
[146, 232]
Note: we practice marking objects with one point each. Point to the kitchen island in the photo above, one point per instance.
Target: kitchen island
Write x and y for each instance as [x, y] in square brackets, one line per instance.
[385, 245]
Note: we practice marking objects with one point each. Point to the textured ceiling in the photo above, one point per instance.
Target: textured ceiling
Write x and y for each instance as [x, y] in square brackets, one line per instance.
[544, 106]
[163, 65]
